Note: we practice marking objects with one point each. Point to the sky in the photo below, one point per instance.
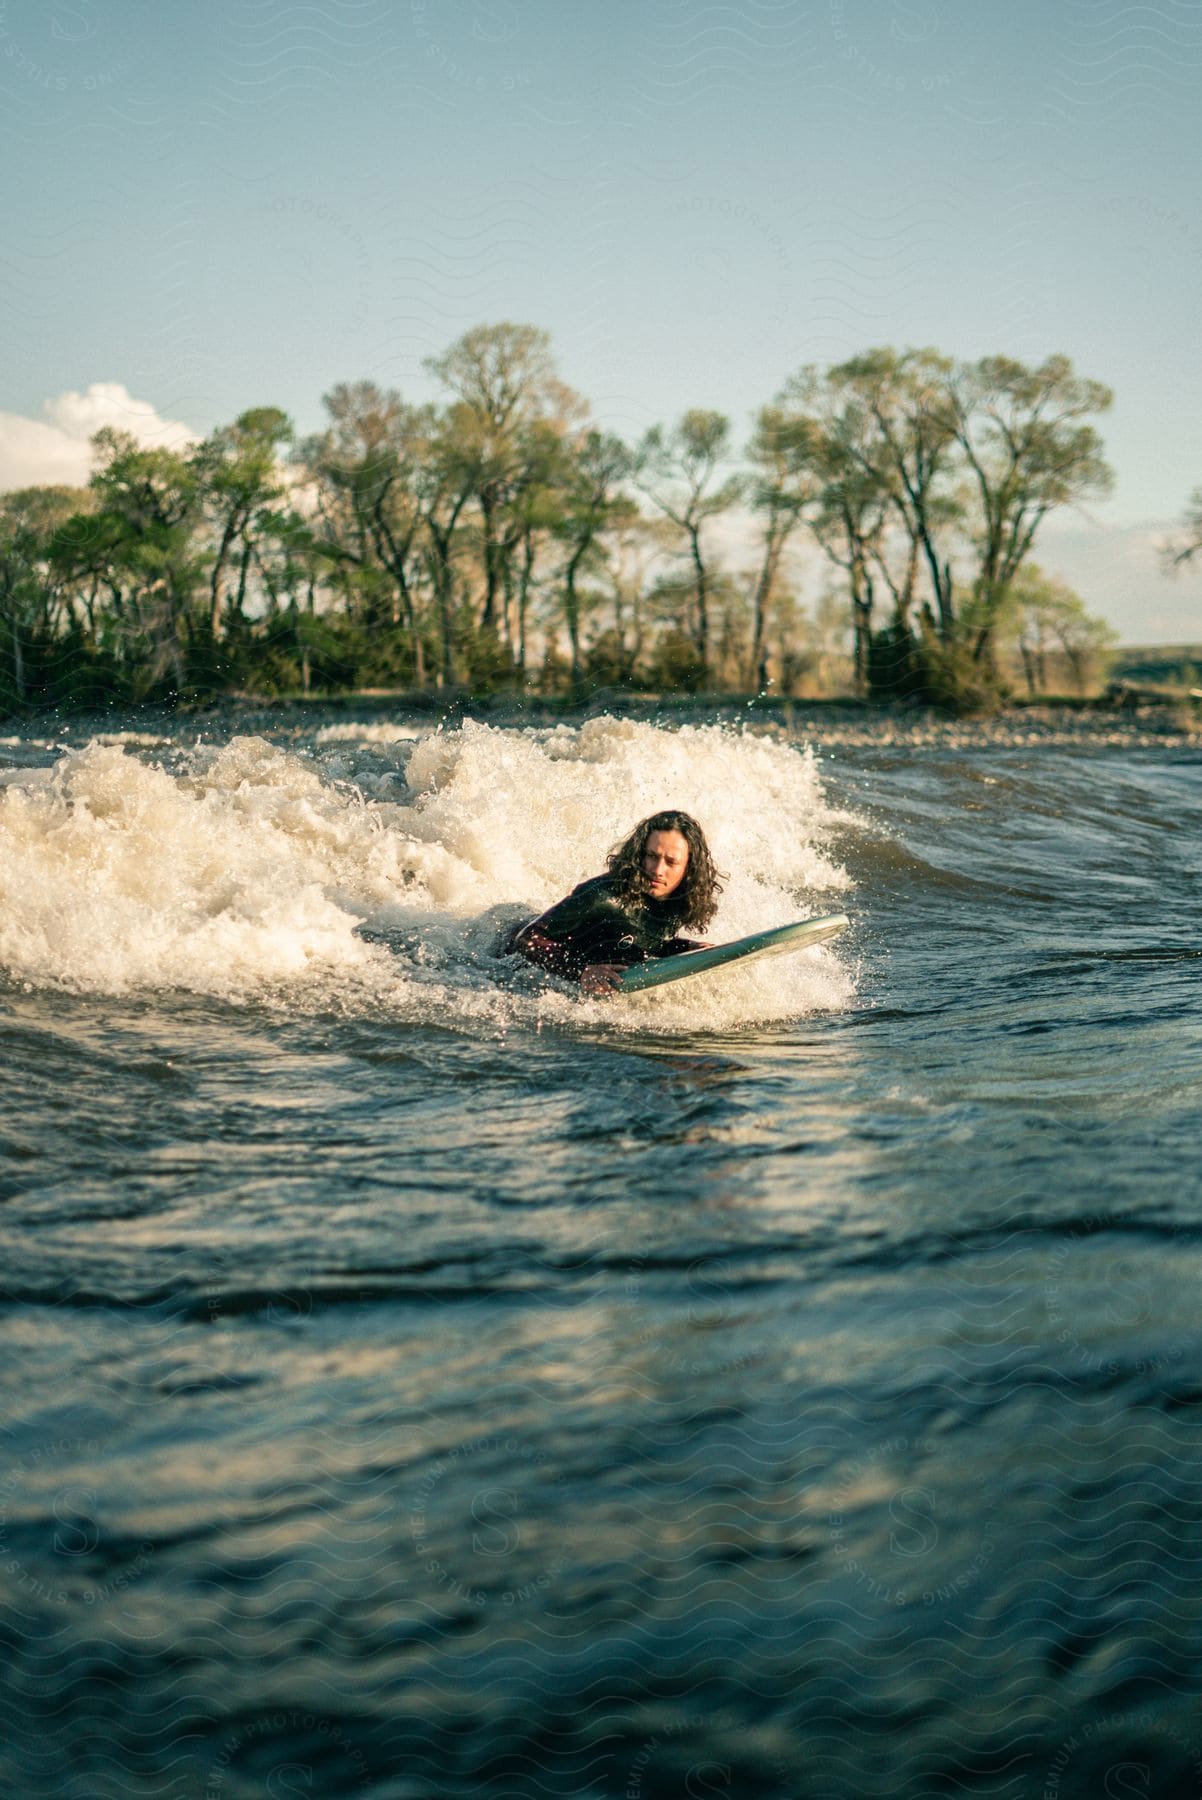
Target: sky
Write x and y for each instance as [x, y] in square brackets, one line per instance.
[211, 208]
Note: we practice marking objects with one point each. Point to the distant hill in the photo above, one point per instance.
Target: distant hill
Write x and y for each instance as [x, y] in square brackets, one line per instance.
[1175, 665]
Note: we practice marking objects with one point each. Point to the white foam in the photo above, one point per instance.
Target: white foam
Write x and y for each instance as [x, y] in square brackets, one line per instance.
[368, 734]
[247, 870]
[146, 739]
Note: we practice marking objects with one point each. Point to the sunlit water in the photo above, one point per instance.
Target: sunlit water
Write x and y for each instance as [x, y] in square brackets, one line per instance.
[419, 1382]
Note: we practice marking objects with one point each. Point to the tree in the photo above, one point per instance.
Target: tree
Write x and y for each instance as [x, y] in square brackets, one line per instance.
[405, 538]
[824, 639]
[1184, 549]
[368, 468]
[509, 401]
[447, 480]
[905, 442]
[35, 587]
[591, 502]
[240, 483]
[673, 661]
[678, 470]
[1022, 433]
[139, 544]
[634, 544]
[855, 501]
[533, 507]
[1045, 615]
[785, 454]
[850, 525]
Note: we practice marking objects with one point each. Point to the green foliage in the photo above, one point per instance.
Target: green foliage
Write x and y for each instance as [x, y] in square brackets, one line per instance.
[298, 652]
[487, 662]
[496, 532]
[1049, 626]
[928, 669]
[675, 665]
[680, 472]
[1183, 549]
[555, 674]
[954, 678]
[609, 661]
[897, 666]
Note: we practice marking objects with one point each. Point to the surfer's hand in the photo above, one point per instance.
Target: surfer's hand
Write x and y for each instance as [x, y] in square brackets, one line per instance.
[601, 978]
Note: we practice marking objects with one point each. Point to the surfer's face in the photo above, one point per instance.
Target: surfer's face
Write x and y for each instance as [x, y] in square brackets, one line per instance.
[664, 862]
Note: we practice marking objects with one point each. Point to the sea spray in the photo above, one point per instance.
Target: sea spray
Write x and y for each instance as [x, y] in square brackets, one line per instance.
[117, 875]
[381, 870]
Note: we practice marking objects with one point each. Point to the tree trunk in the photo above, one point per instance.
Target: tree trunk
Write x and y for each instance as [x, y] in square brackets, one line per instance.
[217, 579]
[571, 613]
[941, 585]
[488, 617]
[406, 610]
[446, 629]
[702, 636]
[524, 580]
[18, 661]
[905, 598]
[984, 653]
[861, 612]
[243, 570]
[438, 562]
[507, 608]
[758, 661]
[638, 631]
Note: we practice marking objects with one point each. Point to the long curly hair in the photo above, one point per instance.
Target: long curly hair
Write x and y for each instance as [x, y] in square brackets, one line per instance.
[696, 899]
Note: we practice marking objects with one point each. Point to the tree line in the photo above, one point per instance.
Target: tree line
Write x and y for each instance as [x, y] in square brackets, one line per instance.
[499, 539]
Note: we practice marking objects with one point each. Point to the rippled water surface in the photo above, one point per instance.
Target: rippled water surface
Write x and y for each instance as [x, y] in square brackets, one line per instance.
[419, 1382]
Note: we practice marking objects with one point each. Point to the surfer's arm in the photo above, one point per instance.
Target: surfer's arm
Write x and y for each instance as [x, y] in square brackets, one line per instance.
[565, 940]
[545, 952]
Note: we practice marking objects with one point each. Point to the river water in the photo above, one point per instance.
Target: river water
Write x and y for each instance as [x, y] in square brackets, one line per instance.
[419, 1382]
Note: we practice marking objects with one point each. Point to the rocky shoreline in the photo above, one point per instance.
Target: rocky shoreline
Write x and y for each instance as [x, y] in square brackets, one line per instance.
[842, 722]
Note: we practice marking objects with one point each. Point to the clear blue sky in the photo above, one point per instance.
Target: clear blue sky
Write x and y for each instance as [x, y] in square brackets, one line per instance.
[244, 203]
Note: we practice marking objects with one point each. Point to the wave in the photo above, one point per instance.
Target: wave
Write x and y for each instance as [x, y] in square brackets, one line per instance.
[379, 869]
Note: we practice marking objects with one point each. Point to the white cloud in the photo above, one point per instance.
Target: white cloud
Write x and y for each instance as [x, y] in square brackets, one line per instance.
[54, 450]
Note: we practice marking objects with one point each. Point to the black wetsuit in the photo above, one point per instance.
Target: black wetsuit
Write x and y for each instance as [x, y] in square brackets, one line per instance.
[596, 924]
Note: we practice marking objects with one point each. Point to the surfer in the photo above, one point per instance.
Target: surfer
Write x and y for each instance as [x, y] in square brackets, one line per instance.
[660, 879]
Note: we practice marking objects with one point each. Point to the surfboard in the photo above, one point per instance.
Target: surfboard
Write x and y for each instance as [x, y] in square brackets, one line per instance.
[661, 969]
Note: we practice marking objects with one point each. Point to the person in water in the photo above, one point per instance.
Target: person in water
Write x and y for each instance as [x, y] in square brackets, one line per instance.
[661, 879]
